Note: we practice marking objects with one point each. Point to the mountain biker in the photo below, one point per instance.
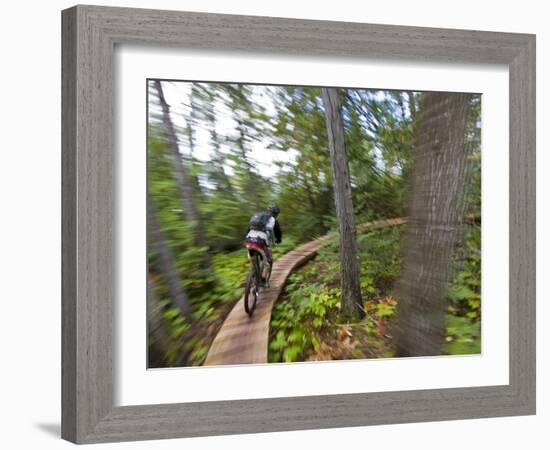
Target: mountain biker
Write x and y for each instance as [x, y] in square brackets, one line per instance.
[262, 230]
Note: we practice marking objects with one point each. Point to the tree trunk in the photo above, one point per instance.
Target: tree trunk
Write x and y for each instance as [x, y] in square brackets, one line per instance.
[156, 328]
[352, 302]
[183, 179]
[436, 215]
[177, 294]
[250, 185]
[412, 104]
[190, 132]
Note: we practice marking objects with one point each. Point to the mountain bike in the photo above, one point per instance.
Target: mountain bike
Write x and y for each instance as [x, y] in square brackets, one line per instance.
[256, 255]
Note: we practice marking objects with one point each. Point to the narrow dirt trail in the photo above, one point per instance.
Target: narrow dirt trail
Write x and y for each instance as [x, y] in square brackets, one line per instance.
[243, 339]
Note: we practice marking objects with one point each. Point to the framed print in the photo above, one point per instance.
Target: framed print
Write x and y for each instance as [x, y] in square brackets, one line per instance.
[254, 206]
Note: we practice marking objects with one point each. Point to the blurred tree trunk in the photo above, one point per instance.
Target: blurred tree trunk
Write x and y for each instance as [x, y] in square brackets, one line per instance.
[352, 302]
[436, 215]
[245, 112]
[190, 120]
[216, 170]
[183, 179]
[250, 180]
[412, 104]
[167, 267]
[157, 329]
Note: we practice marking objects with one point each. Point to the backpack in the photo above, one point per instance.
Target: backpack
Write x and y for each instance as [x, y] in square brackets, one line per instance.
[258, 221]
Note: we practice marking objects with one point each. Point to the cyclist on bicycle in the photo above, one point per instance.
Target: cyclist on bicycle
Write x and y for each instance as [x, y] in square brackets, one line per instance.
[263, 229]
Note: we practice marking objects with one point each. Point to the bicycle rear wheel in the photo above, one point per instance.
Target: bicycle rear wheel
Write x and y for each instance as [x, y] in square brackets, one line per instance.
[252, 288]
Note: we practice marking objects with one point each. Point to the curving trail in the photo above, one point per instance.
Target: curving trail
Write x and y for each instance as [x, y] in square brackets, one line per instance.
[243, 339]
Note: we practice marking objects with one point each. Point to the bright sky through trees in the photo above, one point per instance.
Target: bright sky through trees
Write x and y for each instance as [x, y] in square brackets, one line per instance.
[177, 95]
[263, 155]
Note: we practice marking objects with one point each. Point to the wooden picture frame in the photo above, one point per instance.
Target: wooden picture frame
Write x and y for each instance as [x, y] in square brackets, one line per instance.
[90, 34]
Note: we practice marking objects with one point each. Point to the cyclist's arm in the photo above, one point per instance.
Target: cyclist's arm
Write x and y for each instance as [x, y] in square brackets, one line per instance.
[277, 232]
[271, 223]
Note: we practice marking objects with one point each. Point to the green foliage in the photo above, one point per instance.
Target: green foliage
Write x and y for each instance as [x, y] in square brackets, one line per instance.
[299, 321]
[463, 336]
[380, 259]
[464, 317]
[230, 270]
[178, 325]
[465, 291]
[308, 313]
[385, 309]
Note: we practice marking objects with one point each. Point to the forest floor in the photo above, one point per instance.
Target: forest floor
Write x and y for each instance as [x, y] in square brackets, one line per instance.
[305, 324]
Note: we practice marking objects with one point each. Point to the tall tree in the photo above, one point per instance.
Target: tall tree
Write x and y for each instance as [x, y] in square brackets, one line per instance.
[192, 114]
[436, 214]
[182, 176]
[166, 265]
[352, 303]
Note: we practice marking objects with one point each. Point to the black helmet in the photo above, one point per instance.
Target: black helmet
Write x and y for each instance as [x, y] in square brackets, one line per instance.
[274, 210]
